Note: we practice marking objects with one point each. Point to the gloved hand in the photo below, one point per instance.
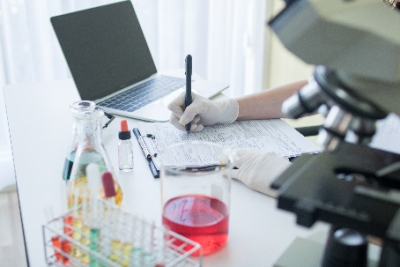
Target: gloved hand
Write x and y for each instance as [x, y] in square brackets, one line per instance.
[257, 169]
[202, 112]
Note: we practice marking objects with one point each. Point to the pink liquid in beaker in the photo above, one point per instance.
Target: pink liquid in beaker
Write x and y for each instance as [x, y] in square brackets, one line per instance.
[202, 219]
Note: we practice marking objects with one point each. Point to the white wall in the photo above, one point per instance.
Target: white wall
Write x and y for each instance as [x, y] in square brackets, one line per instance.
[282, 66]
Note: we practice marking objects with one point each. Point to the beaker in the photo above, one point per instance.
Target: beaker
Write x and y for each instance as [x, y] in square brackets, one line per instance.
[89, 150]
[195, 192]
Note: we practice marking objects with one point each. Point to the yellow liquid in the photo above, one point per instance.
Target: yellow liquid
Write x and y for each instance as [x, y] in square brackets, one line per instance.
[82, 185]
[85, 240]
[76, 252]
[115, 250]
[126, 254]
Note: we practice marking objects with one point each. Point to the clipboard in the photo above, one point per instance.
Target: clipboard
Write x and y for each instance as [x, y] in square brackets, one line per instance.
[273, 135]
[149, 151]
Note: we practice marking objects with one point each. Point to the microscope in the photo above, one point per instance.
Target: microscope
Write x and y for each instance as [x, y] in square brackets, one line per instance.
[355, 46]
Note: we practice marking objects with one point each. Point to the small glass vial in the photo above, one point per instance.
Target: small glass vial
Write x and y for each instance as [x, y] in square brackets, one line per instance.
[125, 148]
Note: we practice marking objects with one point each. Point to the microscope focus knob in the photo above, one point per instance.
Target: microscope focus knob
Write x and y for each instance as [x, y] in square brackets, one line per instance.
[345, 248]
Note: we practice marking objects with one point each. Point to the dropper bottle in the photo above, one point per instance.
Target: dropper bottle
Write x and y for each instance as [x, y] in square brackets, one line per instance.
[125, 148]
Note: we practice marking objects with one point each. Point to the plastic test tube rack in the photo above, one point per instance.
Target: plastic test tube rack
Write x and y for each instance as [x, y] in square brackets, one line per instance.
[121, 239]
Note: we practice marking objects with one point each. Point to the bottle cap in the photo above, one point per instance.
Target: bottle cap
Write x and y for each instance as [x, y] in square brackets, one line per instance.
[108, 185]
[124, 134]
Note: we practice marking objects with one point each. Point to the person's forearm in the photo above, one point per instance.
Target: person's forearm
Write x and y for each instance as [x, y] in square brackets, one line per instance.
[267, 104]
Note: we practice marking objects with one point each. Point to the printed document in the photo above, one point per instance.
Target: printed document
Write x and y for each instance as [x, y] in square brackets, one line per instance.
[273, 135]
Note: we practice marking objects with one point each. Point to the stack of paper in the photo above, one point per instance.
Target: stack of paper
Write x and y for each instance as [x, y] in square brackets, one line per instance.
[269, 135]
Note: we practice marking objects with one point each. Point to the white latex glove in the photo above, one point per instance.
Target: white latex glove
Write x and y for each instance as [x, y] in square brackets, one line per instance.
[257, 169]
[202, 112]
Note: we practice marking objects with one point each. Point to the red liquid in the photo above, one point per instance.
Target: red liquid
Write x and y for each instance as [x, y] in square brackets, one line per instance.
[200, 218]
[65, 244]
[57, 246]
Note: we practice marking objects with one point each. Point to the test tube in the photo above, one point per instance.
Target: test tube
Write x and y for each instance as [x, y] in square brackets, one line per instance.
[116, 244]
[95, 238]
[105, 229]
[148, 257]
[85, 236]
[55, 239]
[67, 220]
[137, 236]
[161, 243]
[127, 246]
[93, 174]
[113, 216]
[77, 225]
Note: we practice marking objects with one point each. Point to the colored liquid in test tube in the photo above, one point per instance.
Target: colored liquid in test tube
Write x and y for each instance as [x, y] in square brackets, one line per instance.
[67, 222]
[65, 244]
[55, 239]
[77, 226]
[85, 239]
[94, 245]
[147, 245]
[93, 175]
[116, 236]
[126, 239]
[109, 193]
[115, 250]
[126, 254]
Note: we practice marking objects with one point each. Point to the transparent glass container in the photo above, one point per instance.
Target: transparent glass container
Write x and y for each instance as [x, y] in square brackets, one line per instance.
[125, 155]
[77, 107]
[89, 149]
[195, 192]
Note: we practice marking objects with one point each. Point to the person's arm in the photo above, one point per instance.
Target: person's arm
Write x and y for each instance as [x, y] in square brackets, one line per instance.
[204, 112]
[267, 104]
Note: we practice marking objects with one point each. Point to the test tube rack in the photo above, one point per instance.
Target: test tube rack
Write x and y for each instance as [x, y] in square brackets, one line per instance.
[121, 239]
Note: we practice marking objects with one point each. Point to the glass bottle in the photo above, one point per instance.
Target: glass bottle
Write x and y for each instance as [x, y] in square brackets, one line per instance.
[77, 107]
[89, 150]
[125, 148]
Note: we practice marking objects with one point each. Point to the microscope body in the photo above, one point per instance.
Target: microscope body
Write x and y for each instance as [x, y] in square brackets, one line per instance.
[355, 46]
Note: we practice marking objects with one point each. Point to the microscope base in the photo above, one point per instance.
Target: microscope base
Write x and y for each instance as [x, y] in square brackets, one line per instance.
[308, 253]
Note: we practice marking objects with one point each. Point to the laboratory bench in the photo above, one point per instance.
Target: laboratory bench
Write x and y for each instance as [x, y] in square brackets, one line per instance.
[40, 124]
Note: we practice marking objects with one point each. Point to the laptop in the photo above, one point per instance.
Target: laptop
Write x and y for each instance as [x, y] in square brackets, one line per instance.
[111, 64]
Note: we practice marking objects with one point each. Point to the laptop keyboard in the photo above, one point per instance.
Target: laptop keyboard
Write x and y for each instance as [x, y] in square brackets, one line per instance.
[144, 93]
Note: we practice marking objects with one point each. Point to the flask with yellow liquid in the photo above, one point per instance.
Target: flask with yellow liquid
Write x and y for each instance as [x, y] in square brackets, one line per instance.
[89, 150]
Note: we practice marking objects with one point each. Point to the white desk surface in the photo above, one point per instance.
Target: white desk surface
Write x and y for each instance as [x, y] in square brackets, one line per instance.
[40, 127]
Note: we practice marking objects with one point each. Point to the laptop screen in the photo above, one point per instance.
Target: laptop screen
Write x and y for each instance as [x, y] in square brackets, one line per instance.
[105, 48]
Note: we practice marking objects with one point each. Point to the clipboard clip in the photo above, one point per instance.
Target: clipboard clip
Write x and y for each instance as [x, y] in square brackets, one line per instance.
[146, 153]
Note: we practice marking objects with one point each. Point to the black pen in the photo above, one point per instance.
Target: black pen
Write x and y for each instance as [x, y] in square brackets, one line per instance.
[188, 96]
